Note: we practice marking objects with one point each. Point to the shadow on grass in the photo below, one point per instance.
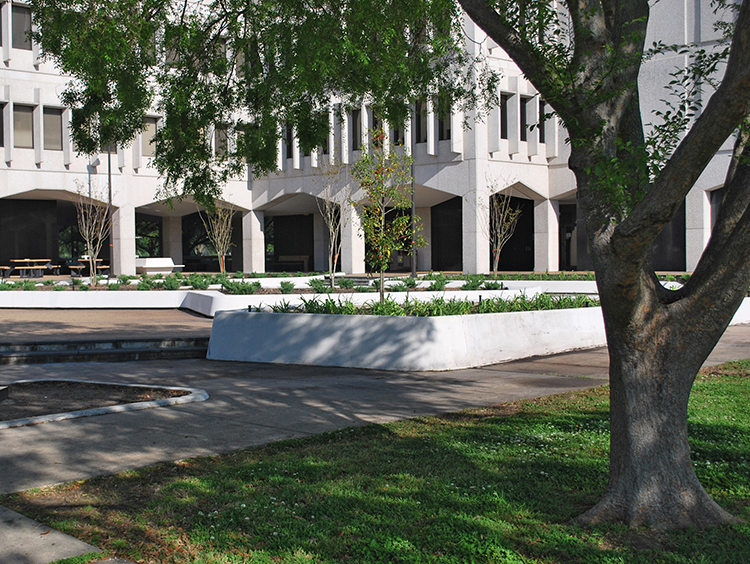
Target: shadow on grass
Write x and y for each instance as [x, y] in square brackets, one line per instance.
[472, 487]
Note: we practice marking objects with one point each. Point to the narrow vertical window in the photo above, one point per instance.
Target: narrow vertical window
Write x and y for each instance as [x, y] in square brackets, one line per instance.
[421, 125]
[21, 19]
[542, 111]
[23, 127]
[53, 131]
[504, 116]
[2, 125]
[444, 127]
[148, 137]
[289, 141]
[524, 120]
[326, 148]
[221, 141]
[356, 130]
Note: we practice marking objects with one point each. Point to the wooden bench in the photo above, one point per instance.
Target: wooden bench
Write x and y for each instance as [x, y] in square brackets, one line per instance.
[302, 260]
[156, 265]
[5, 271]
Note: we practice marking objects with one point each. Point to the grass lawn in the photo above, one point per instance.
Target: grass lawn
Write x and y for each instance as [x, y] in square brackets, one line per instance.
[490, 485]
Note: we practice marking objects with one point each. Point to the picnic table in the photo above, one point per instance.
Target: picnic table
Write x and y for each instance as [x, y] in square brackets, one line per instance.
[31, 268]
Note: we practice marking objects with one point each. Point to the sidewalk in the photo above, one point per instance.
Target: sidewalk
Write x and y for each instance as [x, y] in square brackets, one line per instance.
[252, 404]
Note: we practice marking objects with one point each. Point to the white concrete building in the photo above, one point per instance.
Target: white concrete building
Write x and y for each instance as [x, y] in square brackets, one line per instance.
[278, 224]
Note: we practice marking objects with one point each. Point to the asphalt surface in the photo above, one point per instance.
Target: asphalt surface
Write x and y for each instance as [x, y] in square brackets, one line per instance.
[249, 404]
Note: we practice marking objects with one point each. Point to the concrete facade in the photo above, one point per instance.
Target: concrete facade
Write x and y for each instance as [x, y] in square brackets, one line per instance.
[456, 169]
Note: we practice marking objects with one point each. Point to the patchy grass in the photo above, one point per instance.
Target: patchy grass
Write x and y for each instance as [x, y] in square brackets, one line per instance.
[496, 485]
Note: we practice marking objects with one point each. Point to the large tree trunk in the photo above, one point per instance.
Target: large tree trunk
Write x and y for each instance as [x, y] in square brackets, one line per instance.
[655, 355]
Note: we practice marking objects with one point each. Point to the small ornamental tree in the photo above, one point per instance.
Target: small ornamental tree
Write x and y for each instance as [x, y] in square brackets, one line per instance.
[94, 225]
[385, 178]
[502, 224]
[218, 224]
[336, 192]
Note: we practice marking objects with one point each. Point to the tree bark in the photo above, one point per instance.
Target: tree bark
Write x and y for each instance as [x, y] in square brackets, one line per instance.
[654, 359]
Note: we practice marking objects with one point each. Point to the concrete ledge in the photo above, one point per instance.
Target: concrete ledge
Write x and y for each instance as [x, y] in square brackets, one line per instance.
[401, 343]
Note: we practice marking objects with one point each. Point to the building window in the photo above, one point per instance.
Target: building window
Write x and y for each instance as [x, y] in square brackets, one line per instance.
[397, 136]
[444, 127]
[326, 148]
[356, 129]
[53, 131]
[289, 141]
[221, 141]
[2, 125]
[420, 111]
[542, 111]
[23, 127]
[148, 137]
[524, 120]
[21, 17]
[504, 116]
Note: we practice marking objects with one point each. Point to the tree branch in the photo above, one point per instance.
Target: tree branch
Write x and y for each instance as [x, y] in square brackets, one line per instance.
[723, 113]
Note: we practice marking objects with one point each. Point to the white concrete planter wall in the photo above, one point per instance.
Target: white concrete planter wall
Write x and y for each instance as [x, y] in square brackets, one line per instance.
[401, 343]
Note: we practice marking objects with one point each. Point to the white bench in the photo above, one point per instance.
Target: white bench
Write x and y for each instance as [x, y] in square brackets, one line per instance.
[156, 265]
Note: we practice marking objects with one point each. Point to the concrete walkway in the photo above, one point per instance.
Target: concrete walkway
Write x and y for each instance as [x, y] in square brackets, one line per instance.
[252, 404]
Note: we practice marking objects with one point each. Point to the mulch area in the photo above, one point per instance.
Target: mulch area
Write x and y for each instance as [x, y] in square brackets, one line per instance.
[31, 399]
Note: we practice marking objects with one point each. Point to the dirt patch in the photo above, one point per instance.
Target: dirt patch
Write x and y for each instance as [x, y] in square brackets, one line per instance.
[31, 399]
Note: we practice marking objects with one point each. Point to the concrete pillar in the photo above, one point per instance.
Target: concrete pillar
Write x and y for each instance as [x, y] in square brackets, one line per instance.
[171, 233]
[352, 242]
[123, 240]
[697, 226]
[546, 236]
[253, 242]
[476, 221]
[424, 254]
[320, 243]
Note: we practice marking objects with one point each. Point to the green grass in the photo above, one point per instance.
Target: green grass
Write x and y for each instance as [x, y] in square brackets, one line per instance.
[494, 485]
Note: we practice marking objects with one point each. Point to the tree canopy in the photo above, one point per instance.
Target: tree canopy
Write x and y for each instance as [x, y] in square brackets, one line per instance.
[251, 68]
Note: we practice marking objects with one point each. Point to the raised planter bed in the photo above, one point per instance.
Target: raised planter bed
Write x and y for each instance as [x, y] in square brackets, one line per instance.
[407, 343]
[401, 343]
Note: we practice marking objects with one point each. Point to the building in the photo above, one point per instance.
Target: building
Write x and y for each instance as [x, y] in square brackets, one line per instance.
[455, 171]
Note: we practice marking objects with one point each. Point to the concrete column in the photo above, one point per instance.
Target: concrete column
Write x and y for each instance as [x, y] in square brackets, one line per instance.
[424, 254]
[476, 221]
[171, 233]
[352, 242]
[320, 243]
[546, 236]
[697, 226]
[253, 242]
[123, 240]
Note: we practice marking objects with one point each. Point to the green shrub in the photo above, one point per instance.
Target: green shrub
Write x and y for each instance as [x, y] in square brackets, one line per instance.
[198, 281]
[346, 283]
[125, 278]
[7, 286]
[364, 289]
[59, 288]
[438, 283]
[319, 285]
[398, 287]
[83, 287]
[241, 288]
[410, 282]
[76, 282]
[114, 286]
[239, 274]
[171, 283]
[144, 285]
[28, 286]
[287, 287]
[473, 282]
[493, 285]
[282, 307]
